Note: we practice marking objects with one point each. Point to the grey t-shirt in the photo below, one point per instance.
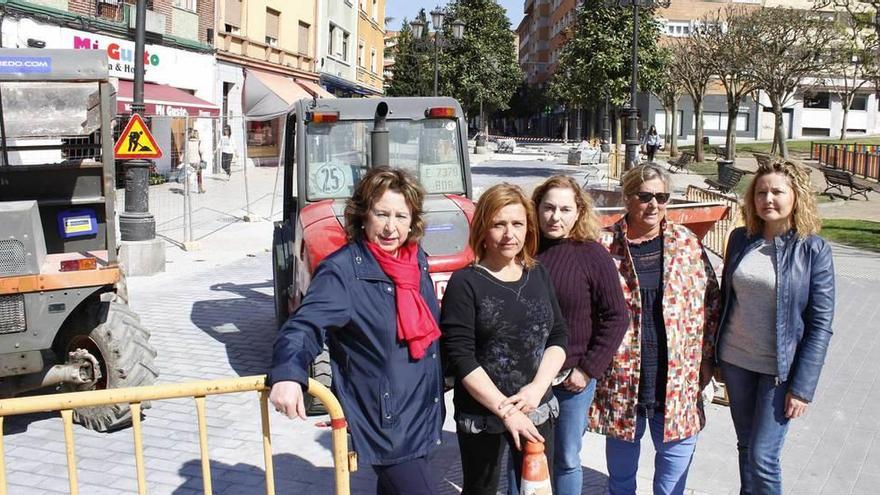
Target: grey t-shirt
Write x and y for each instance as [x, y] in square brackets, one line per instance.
[750, 339]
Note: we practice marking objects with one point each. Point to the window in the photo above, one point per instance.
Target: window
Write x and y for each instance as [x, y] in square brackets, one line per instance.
[817, 100]
[375, 14]
[273, 19]
[232, 15]
[815, 131]
[185, 4]
[717, 121]
[344, 47]
[331, 44]
[373, 60]
[303, 41]
[678, 28]
[361, 53]
[859, 103]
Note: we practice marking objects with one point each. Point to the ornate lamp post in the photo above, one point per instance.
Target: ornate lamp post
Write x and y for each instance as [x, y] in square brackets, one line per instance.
[632, 120]
[437, 17]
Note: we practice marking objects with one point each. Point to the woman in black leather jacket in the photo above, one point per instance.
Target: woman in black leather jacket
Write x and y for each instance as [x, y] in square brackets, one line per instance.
[778, 303]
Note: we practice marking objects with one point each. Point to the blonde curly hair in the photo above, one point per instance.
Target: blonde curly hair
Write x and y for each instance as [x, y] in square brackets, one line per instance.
[805, 215]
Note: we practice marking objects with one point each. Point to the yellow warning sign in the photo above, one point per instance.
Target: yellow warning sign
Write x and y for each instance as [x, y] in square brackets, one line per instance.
[136, 141]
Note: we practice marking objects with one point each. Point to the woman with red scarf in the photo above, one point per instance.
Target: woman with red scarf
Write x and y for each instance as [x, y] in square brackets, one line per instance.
[374, 301]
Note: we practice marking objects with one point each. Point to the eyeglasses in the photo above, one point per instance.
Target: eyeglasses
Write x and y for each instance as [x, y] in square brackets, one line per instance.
[646, 197]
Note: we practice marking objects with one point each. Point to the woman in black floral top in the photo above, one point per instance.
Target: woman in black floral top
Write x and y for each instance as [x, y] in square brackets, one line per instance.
[503, 339]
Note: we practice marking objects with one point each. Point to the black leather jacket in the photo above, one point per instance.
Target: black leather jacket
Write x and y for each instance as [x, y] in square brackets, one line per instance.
[804, 304]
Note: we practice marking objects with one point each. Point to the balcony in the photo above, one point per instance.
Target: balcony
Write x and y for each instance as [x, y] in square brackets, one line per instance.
[242, 46]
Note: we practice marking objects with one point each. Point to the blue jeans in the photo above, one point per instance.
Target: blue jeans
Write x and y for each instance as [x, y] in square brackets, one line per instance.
[671, 461]
[570, 428]
[571, 425]
[757, 406]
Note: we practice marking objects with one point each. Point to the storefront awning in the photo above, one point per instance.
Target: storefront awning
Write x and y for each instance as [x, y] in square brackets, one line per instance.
[267, 96]
[163, 100]
[315, 89]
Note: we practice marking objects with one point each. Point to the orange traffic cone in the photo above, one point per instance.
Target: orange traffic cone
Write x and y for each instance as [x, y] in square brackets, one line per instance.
[535, 473]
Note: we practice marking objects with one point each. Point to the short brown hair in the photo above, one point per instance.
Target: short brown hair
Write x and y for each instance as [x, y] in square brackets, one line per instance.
[586, 227]
[371, 187]
[638, 175]
[491, 202]
[805, 215]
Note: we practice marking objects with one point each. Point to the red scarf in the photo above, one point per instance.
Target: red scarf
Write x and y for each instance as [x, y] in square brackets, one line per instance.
[415, 324]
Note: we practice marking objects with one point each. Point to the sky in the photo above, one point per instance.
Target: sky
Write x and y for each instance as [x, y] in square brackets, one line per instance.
[398, 9]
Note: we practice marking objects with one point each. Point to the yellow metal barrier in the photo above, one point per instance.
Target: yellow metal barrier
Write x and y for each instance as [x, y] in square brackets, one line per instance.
[345, 462]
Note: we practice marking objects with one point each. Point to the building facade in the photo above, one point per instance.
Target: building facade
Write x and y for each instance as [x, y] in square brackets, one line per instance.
[371, 45]
[266, 60]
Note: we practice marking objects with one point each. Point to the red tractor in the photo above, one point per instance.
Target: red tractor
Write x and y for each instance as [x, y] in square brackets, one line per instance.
[329, 144]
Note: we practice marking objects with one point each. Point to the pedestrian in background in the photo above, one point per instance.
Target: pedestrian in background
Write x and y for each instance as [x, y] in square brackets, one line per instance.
[503, 339]
[227, 150]
[778, 304]
[194, 158]
[652, 143]
[374, 300]
[588, 290]
[666, 357]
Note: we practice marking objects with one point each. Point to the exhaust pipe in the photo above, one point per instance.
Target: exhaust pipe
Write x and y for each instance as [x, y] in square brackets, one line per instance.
[379, 137]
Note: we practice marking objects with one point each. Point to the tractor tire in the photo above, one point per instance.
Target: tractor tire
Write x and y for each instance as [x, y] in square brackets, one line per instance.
[121, 345]
[320, 371]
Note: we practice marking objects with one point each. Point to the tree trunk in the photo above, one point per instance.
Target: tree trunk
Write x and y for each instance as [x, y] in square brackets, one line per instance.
[779, 131]
[699, 156]
[843, 125]
[578, 124]
[673, 148]
[565, 119]
[730, 142]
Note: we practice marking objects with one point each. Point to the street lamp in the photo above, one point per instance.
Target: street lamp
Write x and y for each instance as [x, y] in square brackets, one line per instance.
[437, 16]
[632, 131]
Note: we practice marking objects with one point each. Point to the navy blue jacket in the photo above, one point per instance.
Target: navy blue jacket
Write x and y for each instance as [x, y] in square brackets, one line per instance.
[804, 304]
[393, 403]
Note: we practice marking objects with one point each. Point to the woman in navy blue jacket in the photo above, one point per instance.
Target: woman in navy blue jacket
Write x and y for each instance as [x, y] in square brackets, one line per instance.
[778, 303]
[374, 301]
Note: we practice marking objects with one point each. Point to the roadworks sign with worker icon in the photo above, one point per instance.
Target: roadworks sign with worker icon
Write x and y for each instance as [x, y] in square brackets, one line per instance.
[136, 141]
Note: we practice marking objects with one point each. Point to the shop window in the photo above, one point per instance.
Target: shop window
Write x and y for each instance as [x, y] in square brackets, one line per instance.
[859, 103]
[186, 4]
[817, 100]
[303, 41]
[273, 19]
[261, 133]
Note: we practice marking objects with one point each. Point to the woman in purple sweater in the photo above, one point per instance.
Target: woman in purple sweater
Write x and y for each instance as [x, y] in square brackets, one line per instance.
[591, 300]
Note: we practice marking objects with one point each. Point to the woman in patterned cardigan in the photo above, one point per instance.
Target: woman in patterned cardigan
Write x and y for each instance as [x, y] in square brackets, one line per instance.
[666, 357]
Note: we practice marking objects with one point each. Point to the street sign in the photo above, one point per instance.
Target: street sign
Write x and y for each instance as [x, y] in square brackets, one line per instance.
[136, 142]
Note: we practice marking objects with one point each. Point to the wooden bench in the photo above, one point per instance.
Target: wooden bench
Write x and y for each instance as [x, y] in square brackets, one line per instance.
[838, 179]
[719, 150]
[681, 163]
[728, 178]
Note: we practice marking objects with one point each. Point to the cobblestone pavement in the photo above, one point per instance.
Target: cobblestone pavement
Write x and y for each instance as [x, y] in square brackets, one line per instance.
[211, 316]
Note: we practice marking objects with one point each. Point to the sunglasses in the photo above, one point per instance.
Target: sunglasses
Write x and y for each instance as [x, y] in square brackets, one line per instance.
[645, 197]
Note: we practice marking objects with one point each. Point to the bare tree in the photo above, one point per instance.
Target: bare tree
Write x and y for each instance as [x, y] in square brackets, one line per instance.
[731, 49]
[689, 69]
[789, 54]
[669, 91]
[852, 54]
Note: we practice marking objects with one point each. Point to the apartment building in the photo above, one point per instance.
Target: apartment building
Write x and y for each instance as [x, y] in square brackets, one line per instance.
[371, 45]
[266, 60]
[388, 59]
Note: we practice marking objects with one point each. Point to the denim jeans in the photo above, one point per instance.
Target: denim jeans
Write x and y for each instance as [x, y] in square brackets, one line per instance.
[570, 428]
[571, 425]
[671, 461]
[757, 406]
